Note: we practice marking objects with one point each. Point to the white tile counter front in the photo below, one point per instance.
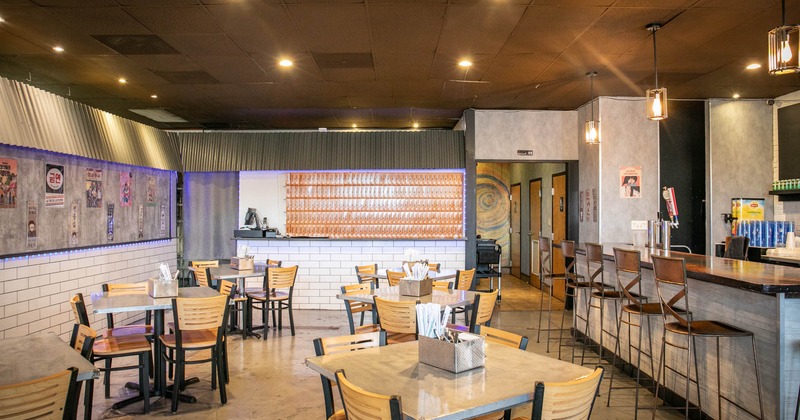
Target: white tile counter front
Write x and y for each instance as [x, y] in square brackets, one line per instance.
[327, 264]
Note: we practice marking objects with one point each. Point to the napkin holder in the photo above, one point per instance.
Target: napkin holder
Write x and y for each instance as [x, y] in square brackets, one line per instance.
[245, 263]
[411, 287]
[458, 357]
[157, 289]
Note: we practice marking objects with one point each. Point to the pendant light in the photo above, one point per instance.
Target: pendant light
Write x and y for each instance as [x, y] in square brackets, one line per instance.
[783, 43]
[656, 97]
[592, 127]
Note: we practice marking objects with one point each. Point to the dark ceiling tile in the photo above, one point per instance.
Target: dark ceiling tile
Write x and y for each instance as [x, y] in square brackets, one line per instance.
[136, 44]
[176, 19]
[347, 75]
[478, 29]
[406, 28]
[100, 20]
[332, 28]
[550, 29]
[219, 45]
[259, 29]
[403, 66]
[518, 68]
[233, 69]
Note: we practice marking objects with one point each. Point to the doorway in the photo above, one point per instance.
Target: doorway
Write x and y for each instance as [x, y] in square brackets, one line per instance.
[535, 217]
[516, 233]
[559, 223]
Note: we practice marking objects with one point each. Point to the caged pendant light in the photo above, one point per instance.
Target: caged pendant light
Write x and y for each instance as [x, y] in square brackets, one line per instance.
[592, 127]
[783, 45]
[656, 97]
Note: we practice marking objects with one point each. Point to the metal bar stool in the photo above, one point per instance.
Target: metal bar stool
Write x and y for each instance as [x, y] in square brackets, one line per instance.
[670, 274]
[629, 279]
[573, 286]
[602, 293]
[546, 278]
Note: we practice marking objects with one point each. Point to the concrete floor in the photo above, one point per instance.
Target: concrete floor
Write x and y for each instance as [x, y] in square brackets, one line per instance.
[269, 379]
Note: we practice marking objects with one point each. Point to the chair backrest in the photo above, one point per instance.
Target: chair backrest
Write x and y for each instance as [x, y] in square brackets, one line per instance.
[594, 266]
[464, 279]
[275, 263]
[354, 307]
[432, 266]
[201, 276]
[227, 287]
[502, 337]
[363, 405]
[193, 314]
[629, 274]
[567, 400]
[204, 264]
[443, 285]
[280, 277]
[397, 316]
[737, 248]
[366, 269]
[545, 260]
[568, 251]
[115, 289]
[44, 398]
[393, 277]
[82, 340]
[79, 309]
[671, 272]
[483, 309]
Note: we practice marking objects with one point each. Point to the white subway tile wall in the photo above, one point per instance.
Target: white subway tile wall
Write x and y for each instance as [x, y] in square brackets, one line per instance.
[35, 290]
[326, 265]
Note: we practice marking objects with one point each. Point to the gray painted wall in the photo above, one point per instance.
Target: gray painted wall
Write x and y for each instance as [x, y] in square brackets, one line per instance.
[741, 159]
[550, 134]
[589, 178]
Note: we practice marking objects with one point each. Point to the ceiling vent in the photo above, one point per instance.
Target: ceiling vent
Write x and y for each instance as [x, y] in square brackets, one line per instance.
[343, 60]
[136, 44]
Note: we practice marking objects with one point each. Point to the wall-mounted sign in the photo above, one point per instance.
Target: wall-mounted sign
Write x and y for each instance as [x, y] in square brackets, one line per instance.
[110, 222]
[73, 224]
[8, 183]
[54, 185]
[31, 223]
[630, 181]
[125, 189]
[94, 188]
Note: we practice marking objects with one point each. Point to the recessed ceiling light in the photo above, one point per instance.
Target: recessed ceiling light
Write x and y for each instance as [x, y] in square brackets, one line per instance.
[122, 80]
[2, 20]
[154, 96]
[416, 125]
[753, 66]
[58, 49]
[355, 126]
[285, 63]
[735, 96]
[465, 63]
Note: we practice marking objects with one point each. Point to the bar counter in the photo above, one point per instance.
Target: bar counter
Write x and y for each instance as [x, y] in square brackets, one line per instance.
[762, 298]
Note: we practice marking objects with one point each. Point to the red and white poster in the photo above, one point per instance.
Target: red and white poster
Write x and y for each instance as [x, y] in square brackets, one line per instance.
[94, 188]
[630, 181]
[54, 185]
[8, 183]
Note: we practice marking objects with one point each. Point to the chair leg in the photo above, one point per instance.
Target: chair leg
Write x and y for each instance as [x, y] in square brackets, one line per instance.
[144, 385]
[561, 328]
[107, 378]
[88, 394]
[225, 360]
[660, 366]
[223, 397]
[549, 313]
[617, 350]
[178, 381]
[214, 358]
[265, 317]
[541, 308]
[291, 318]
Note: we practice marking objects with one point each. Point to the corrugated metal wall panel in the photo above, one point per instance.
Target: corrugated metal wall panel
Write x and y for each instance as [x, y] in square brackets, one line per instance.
[221, 151]
[31, 117]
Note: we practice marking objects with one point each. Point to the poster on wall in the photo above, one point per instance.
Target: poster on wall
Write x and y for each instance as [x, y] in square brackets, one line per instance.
[151, 190]
[94, 188]
[588, 206]
[163, 219]
[54, 185]
[140, 223]
[630, 181]
[110, 223]
[125, 189]
[580, 206]
[73, 224]
[31, 222]
[594, 205]
[8, 183]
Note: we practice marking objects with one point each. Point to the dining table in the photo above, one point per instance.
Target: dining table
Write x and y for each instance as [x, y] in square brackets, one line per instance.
[452, 298]
[508, 378]
[444, 274]
[37, 356]
[226, 272]
[103, 303]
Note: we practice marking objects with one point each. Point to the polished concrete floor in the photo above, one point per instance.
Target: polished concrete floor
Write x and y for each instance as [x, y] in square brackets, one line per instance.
[269, 379]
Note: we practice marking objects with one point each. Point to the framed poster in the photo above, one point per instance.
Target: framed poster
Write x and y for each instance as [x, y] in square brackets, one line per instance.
[8, 183]
[125, 189]
[94, 188]
[630, 182]
[54, 185]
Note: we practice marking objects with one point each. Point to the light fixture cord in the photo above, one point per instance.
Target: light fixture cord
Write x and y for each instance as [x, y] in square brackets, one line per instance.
[783, 12]
[655, 56]
[591, 92]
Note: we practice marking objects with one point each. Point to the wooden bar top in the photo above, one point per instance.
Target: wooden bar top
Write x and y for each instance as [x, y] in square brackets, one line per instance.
[768, 279]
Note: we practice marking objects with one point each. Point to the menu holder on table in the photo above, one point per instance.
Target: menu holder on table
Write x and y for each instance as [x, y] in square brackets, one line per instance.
[245, 263]
[412, 287]
[466, 353]
[159, 289]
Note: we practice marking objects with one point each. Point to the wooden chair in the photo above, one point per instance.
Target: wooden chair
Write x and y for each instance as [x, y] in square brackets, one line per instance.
[398, 319]
[202, 277]
[434, 266]
[483, 309]
[199, 325]
[393, 277]
[340, 344]
[82, 340]
[353, 307]
[275, 296]
[443, 285]
[505, 338]
[48, 398]
[362, 270]
[566, 400]
[363, 405]
[117, 343]
[673, 291]
[145, 329]
[275, 263]
[465, 280]
[228, 288]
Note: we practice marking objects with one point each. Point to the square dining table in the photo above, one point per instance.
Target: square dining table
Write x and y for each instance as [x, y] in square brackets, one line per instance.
[508, 378]
[102, 303]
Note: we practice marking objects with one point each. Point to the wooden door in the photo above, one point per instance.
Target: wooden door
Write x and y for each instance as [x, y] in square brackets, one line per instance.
[516, 234]
[535, 214]
[559, 228]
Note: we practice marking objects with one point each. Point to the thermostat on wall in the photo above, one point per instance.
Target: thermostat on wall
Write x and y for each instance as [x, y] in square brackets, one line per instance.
[525, 152]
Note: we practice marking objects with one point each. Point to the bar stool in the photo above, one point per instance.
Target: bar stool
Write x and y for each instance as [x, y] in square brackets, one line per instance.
[629, 279]
[545, 275]
[573, 286]
[597, 300]
[670, 274]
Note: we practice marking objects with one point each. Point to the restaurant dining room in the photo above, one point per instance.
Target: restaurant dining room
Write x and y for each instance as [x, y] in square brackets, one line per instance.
[305, 209]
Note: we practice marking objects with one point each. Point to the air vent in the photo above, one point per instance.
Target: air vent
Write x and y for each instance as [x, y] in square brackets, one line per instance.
[343, 60]
[187, 77]
[136, 44]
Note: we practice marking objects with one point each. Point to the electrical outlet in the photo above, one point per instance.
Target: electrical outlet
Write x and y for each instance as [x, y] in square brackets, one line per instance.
[638, 224]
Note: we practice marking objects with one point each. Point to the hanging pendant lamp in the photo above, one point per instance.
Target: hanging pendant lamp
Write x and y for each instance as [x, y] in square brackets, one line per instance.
[592, 127]
[783, 47]
[656, 97]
